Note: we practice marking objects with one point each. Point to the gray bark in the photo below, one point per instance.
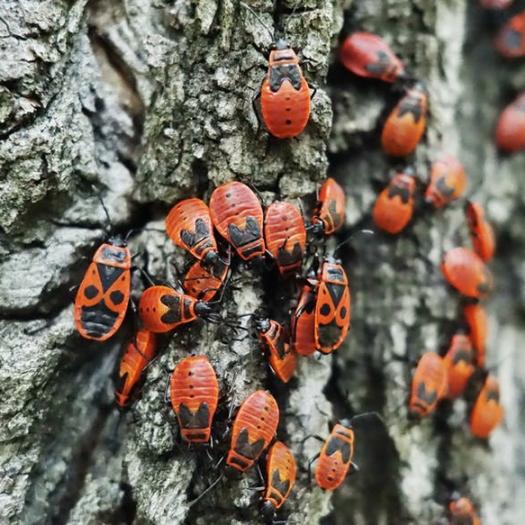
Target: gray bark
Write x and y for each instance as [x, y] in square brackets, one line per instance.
[150, 101]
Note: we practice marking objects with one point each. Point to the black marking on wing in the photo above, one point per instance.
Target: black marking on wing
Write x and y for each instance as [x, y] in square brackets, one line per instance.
[91, 291]
[202, 232]
[244, 448]
[428, 396]
[462, 354]
[381, 65]
[329, 334]
[290, 258]
[400, 191]
[108, 275]
[337, 218]
[250, 233]
[116, 297]
[199, 419]
[335, 444]
[336, 292]
[280, 485]
[98, 319]
[173, 303]
[411, 105]
[278, 74]
[443, 188]
[493, 395]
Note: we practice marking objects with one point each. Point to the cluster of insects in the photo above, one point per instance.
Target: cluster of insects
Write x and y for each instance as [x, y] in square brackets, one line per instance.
[234, 224]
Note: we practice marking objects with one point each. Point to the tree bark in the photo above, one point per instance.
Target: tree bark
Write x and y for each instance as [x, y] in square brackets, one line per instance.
[149, 101]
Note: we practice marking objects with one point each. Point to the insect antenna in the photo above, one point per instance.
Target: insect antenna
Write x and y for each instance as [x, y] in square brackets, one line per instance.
[271, 33]
[206, 490]
[350, 237]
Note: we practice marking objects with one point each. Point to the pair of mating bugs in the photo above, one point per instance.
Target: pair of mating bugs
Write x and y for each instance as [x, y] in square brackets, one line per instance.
[394, 206]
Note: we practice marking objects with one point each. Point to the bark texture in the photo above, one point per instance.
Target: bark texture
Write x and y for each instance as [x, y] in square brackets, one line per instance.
[149, 101]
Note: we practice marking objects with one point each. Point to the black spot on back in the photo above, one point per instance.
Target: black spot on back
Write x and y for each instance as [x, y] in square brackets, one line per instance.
[199, 419]
[117, 297]
[250, 233]
[244, 448]
[91, 291]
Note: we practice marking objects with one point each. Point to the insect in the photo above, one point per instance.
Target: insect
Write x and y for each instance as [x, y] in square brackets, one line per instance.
[368, 55]
[103, 296]
[189, 226]
[139, 352]
[476, 319]
[281, 471]
[303, 322]
[510, 41]
[429, 385]
[394, 206]
[194, 393]
[162, 308]
[447, 181]
[462, 512]
[406, 123]
[332, 306]
[253, 430]
[329, 215]
[203, 282]
[274, 339]
[238, 216]
[459, 364]
[481, 231]
[335, 459]
[487, 412]
[284, 93]
[285, 236]
[510, 129]
[466, 272]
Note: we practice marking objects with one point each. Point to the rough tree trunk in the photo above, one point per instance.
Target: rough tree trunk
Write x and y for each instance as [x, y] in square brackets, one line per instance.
[149, 101]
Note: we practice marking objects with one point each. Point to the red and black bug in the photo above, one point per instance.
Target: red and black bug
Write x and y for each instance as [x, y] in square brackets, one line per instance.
[462, 512]
[285, 236]
[162, 308]
[332, 306]
[394, 206]
[459, 364]
[466, 272]
[447, 181]
[510, 129]
[329, 215]
[429, 385]
[303, 322]
[368, 55]
[476, 319]
[253, 430]
[510, 41]
[103, 296]
[481, 231]
[406, 124]
[284, 93]
[335, 458]
[194, 393]
[487, 412]
[281, 472]
[274, 339]
[203, 282]
[139, 352]
[238, 216]
[189, 226]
